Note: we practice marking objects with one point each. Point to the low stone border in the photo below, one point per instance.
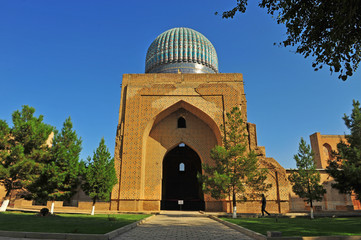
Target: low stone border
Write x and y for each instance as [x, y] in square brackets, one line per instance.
[317, 238]
[74, 236]
[259, 236]
[238, 228]
[126, 228]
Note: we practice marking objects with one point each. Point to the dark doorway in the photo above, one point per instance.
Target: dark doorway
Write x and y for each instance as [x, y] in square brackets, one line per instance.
[180, 168]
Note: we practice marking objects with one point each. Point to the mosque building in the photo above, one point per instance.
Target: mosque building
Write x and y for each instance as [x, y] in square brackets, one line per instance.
[169, 120]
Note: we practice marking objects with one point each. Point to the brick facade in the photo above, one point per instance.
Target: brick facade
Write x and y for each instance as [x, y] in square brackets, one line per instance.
[150, 106]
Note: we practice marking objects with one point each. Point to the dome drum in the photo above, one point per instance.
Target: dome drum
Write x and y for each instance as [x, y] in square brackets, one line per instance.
[182, 67]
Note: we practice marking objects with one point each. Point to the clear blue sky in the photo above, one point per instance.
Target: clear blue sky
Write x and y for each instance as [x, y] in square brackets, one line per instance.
[66, 58]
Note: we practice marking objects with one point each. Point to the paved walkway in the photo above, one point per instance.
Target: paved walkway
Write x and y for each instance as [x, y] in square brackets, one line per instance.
[176, 225]
[182, 225]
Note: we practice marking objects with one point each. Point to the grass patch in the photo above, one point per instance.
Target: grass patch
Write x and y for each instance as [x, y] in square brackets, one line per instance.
[66, 223]
[302, 226]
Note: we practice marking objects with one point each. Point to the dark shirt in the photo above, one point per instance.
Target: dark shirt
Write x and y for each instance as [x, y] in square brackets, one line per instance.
[263, 201]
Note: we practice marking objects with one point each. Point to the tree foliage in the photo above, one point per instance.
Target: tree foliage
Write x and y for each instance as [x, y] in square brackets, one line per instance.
[99, 174]
[59, 176]
[306, 180]
[235, 172]
[327, 30]
[22, 149]
[346, 168]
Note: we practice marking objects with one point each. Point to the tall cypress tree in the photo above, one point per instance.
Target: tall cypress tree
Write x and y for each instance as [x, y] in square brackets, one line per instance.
[235, 172]
[99, 175]
[306, 180]
[23, 150]
[59, 177]
[346, 168]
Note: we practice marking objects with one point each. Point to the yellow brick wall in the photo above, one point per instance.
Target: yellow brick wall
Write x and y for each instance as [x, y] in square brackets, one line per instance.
[332, 200]
[323, 145]
[147, 130]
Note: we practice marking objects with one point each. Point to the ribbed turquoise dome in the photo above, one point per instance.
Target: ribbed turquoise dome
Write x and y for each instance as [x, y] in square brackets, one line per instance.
[181, 49]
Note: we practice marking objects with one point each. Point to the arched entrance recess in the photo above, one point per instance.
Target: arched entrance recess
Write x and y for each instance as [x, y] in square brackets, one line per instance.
[163, 134]
[180, 168]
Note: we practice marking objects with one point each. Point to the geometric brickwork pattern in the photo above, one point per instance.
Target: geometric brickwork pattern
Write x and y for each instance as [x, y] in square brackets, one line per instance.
[151, 104]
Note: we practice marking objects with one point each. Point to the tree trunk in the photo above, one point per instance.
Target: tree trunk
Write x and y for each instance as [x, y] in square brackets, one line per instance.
[309, 192]
[52, 207]
[311, 209]
[6, 202]
[234, 215]
[93, 208]
[4, 206]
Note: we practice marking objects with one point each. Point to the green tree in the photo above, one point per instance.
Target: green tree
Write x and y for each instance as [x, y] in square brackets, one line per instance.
[235, 172]
[60, 175]
[22, 150]
[99, 175]
[328, 30]
[306, 180]
[346, 168]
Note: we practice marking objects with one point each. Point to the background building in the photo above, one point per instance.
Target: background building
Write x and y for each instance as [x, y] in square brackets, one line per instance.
[323, 146]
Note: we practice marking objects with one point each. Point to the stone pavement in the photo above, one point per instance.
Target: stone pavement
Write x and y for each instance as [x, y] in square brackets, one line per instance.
[181, 225]
[176, 225]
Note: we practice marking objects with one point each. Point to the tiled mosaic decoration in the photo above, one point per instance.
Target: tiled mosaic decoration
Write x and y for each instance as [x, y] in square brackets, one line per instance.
[181, 45]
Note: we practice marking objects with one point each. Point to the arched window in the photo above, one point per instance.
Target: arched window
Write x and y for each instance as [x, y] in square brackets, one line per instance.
[327, 150]
[181, 167]
[181, 122]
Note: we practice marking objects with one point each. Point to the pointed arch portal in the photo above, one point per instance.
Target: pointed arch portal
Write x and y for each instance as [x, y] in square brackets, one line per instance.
[180, 168]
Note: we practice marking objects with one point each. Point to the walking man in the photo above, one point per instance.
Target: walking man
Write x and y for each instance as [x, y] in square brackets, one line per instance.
[264, 205]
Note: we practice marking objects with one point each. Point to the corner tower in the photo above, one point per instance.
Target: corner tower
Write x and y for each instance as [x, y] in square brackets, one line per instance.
[169, 121]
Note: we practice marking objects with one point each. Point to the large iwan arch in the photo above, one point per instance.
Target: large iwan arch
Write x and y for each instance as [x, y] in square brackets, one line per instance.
[162, 140]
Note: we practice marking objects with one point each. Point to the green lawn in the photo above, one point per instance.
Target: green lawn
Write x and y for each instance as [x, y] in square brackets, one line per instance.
[302, 226]
[66, 223]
